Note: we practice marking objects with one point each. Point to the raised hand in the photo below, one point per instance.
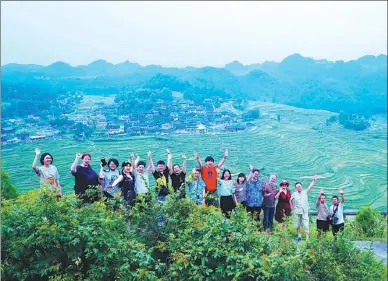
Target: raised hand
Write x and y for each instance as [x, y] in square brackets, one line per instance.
[149, 154]
[132, 156]
[168, 151]
[78, 155]
[341, 191]
[184, 156]
[37, 151]
[322, 191]
[250, 167]
[226, 153]
[315, 178]
[195, 154]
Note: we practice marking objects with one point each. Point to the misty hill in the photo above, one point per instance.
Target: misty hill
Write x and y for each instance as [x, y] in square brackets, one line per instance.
[356, 86]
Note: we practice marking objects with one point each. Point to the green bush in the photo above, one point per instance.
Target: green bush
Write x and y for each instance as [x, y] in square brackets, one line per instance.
[369, 224]
[8, 190]
[48, 239]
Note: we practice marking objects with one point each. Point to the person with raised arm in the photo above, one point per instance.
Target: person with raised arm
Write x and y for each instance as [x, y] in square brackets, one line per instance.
[283, 207]
[161, 173]
[209, 174]
[126, 181]
[107, 178]
[322, 213]
[337, 213]
[48, 173]
[269, 202]
[196, 188]
[85, 177]
[300, 207]
[178, 176]
[142, 181]
[255, 193]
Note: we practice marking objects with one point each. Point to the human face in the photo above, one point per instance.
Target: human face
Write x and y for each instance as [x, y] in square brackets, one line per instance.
[196, 175]
[127, 168]
[227, 175]
[209, 164]
[241, 179]
[256, 175]
[161, 167]
[299, 187]
[335, 201]
[86, 160]
[47, 160]
[322, 199]
[272, 179]
[140, 169]
[177, 169]
[112, 166]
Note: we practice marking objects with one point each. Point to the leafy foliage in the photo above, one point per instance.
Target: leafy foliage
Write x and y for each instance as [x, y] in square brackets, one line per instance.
[8, 190]
[45, 238]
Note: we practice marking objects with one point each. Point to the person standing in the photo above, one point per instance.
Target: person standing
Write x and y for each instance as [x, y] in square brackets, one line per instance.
[178, 176]
[196, 188]
[142, 181]
[209, 174]
[126, 181]
[283, 207]
[300, 206]
[226, 191]
[322, 213]
[337, 213]
[255, 192]
[269, 202]
[241, 189]
[85, 177]
[161, 173]
[48, 173]
[107, 178]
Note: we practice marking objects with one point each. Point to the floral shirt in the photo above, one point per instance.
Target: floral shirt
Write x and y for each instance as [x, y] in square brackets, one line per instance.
[255, 193]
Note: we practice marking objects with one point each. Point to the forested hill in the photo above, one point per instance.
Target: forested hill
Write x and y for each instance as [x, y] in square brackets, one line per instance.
[358, 86]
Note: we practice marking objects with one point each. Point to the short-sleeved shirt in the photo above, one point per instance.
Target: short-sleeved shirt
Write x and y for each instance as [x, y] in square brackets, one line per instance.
[270, 200]
[109, 177]
[142, 182]
[177, 180]
[195, 191]
[209, 176]
[240, 193]
[322, 211]
[48, 176]
[85, 178]
[161, 179]
[339, 214]
[225, 188]
[300, 202]
[255, 191]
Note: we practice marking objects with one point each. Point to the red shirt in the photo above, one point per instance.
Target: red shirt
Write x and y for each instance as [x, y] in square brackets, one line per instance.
[209, 176]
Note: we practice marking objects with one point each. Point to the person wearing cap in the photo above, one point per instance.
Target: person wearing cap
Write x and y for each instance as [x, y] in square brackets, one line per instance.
[283, 208]
[300, 206]
[209, 174]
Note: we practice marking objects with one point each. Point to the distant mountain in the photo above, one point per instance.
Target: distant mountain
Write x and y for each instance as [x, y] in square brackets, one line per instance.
[358, 85]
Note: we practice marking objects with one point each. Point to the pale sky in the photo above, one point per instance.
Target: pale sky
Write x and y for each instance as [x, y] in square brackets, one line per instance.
[190, 33]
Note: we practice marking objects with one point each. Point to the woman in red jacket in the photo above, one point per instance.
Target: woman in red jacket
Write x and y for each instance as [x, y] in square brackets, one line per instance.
[283, 207]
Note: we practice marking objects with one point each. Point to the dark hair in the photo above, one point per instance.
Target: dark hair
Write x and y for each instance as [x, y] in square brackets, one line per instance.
[176, 165]
[126, 163]
[335, 196]
[114, 161]
[298, 183]
[255, 170]
[44, 155]
[198, 170]
[141, 163]
[209, 158]
[223, 173]
[161, 162]
[86, 154]
[322, 194]
[241, 175]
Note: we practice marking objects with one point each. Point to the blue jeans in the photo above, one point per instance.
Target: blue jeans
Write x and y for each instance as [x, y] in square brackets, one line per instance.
[269, 213]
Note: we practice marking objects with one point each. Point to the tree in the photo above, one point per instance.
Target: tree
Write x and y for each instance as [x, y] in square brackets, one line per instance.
[8, 190]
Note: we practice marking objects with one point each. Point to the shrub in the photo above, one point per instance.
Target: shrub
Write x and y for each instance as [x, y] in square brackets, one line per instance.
[8, 190]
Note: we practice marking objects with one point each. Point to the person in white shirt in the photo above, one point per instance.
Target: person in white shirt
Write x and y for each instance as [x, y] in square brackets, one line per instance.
[142, 178]
[337, 213]
[300, 207]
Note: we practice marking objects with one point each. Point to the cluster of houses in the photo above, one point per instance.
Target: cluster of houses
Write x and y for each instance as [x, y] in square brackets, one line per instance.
[177, 117]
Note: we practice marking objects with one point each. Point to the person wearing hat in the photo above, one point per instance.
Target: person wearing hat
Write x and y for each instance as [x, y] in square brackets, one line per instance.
[283, 208]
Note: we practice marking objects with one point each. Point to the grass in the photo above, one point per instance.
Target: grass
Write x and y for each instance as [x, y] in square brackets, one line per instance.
[354, 161]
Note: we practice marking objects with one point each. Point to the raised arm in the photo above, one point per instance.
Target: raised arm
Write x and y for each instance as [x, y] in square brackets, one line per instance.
[342, 196]
[198, 160]
[319, 195]
[133, 164]
[250, 173]
[73, 167]
[37, 153]
[151, 166]
[184, 163]
[137, 160]
[101, 174]
[312, 184]
[226, 153]
[117, 181]
[169, 161]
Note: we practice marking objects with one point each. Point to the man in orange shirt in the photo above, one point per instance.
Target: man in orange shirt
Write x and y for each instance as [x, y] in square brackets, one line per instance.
[209, 176]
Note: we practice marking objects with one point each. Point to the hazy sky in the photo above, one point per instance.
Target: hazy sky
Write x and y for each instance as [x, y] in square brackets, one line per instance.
[190, 33]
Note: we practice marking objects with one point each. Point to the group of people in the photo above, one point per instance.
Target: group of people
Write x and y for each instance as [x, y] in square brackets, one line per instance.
[205, 185]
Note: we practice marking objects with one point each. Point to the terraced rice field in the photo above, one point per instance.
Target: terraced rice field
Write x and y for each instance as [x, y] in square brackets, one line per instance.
[297, 147]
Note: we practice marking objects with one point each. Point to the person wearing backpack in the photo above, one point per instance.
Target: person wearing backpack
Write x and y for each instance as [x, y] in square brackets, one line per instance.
[337, 213]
